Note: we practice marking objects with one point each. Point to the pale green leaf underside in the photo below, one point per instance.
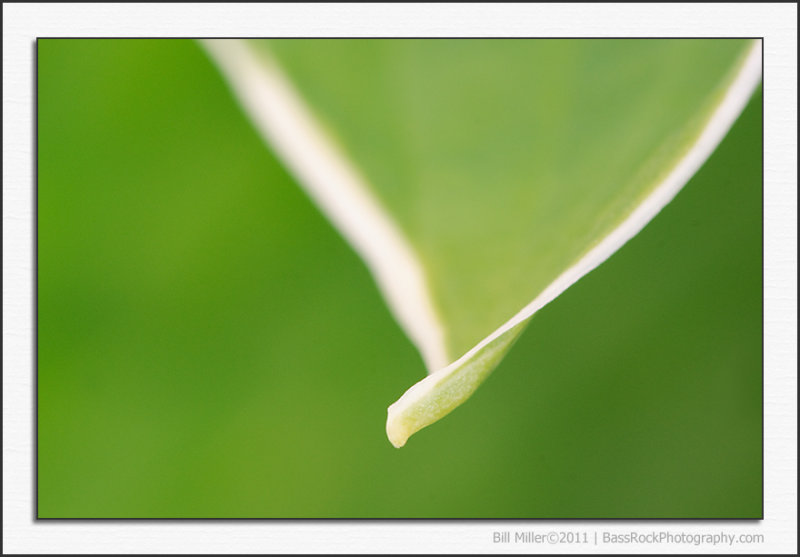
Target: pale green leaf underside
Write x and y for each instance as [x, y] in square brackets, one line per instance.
[504, 163]
[440, 393]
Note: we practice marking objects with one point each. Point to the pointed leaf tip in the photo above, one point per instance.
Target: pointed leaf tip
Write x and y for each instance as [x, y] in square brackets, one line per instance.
[441, 392]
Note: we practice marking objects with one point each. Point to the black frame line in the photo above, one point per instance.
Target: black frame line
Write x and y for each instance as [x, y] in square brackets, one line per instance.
[35, 308]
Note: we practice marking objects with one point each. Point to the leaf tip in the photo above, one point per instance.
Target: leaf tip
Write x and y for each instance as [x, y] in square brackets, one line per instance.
[397, 432]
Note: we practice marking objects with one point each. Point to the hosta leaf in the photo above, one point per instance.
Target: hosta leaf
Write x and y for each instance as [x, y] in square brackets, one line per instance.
[208, 346]
[479, 179]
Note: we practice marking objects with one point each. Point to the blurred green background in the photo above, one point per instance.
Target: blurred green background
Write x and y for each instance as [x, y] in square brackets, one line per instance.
[208, 346]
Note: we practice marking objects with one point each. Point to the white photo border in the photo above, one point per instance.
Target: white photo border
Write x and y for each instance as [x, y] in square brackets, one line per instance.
[23, 23]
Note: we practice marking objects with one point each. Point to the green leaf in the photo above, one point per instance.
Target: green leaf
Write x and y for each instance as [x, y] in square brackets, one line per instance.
[479, 179]
[210, 347]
